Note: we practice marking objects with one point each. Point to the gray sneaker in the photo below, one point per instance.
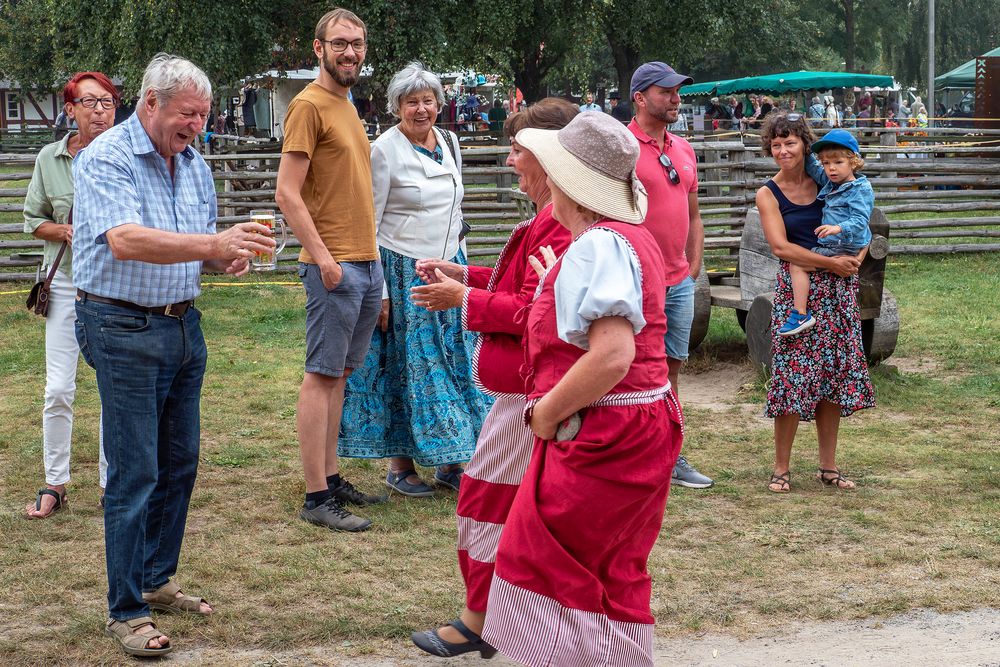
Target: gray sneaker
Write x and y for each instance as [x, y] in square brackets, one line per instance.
[331, 514]
[685, 475]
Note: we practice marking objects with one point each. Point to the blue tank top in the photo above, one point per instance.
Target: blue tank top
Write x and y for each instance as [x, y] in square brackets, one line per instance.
[800, 221]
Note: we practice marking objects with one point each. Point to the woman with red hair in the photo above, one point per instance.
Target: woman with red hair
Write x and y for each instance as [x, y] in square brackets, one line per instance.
[90, 100]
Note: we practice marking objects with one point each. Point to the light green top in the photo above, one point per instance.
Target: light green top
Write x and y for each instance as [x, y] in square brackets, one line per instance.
[50, 197]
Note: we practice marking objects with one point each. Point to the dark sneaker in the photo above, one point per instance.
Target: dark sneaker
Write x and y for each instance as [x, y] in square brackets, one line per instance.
[346, 493]
[451, 479]
[685, 475]
[332, 515]
[397, 482]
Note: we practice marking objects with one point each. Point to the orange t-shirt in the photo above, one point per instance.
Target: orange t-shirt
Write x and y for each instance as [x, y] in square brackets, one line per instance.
[338, 186]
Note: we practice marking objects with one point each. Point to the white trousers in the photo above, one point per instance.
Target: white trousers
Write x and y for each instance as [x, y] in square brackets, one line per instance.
[62, 354]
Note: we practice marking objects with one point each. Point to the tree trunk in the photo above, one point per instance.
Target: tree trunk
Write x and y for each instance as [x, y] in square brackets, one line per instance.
[849, 31]
[626, 61]
[528, 75]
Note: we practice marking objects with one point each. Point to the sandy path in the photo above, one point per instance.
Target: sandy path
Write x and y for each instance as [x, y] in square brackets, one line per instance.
[922, 637]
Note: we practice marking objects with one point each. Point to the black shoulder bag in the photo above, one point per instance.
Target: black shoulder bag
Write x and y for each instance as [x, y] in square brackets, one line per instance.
[38, 298]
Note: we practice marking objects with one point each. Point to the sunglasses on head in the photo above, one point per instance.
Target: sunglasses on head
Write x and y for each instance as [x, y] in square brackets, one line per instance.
[675, 178]
[794, 117]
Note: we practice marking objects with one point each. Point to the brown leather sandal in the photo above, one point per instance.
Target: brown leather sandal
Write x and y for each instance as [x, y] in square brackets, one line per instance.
[783, 482]
[134, 641]
[165, 599]
[837, 480]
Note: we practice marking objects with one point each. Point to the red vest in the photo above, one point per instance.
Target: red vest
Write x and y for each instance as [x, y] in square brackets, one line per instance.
[497, 308]
[547, 357]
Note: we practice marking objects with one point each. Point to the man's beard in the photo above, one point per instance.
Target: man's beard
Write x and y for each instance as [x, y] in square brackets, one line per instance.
[342, 78]
[663, 115]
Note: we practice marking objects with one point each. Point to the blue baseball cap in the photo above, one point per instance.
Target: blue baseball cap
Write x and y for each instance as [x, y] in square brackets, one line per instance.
[841, 138]
[656, 74]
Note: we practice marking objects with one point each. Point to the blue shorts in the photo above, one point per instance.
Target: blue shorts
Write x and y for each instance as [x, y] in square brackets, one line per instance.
[340, 322]
[679, 309]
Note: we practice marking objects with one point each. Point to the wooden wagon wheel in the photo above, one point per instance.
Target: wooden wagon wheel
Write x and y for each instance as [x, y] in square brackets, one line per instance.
[702, 309]
[758, 328]
[879, 335]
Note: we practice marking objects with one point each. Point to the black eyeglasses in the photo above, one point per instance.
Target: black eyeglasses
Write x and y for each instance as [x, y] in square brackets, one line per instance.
[675, 178]
[340, 45]
[92, 102]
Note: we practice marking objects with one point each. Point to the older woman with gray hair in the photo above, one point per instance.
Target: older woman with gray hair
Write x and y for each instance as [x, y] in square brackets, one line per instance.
[414, 399]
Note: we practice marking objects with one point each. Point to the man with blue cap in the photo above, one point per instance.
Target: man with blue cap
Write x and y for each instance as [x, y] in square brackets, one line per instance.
[668, 169]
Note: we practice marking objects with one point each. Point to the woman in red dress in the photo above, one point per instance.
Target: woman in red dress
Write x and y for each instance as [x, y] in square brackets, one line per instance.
[491, 300]
[570, 585]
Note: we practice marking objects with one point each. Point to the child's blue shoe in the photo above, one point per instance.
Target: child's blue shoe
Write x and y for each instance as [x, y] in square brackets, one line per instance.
[797, 323]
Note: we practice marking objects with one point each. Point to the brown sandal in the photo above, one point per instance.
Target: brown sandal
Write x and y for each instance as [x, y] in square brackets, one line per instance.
[134, 641]
[165, 599]
[783, 481]
[837, 480]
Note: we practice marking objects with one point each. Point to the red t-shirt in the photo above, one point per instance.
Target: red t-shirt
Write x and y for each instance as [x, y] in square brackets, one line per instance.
[668, 218]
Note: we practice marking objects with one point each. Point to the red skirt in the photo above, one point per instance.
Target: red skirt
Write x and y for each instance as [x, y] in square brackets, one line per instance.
[570, 585]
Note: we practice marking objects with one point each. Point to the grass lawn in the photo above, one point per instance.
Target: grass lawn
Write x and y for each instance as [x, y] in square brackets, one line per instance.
[922, 530]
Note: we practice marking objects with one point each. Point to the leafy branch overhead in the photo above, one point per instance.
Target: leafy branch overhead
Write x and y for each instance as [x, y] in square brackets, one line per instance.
[561, 45]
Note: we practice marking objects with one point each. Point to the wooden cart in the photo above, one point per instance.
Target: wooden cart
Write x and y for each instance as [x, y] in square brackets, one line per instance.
[751, 293]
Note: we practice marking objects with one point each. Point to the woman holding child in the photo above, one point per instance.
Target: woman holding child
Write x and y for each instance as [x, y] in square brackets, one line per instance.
[820, 374]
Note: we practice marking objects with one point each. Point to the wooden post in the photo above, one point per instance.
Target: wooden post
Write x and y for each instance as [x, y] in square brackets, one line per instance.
[888, 138]
[713, 174]
[504, 181]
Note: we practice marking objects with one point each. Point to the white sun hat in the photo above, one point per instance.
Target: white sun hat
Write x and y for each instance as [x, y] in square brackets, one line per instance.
[593, 161]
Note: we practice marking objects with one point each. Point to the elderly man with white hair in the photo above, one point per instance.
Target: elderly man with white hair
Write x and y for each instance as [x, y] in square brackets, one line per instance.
[145, 213]
[414, 400]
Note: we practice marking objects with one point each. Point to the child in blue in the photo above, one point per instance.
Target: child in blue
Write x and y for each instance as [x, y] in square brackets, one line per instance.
[848, 200]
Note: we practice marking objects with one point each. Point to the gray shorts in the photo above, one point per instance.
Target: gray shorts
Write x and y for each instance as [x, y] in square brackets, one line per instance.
[340, 322]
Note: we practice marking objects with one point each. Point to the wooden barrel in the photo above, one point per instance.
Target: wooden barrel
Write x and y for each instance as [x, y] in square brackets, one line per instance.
[702, 309]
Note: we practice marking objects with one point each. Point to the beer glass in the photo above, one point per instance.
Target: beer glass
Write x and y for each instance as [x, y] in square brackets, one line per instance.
[268, 261]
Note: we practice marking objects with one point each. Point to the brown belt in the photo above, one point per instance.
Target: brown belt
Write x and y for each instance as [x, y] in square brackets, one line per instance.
[171, 310]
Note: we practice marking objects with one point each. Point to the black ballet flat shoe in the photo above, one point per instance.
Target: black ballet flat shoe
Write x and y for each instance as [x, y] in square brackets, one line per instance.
[431, 642]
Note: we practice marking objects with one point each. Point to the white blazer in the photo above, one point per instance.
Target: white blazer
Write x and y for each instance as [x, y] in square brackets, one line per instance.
[418, 202]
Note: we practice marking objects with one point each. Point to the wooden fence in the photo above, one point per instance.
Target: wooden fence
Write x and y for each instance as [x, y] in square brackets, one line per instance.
[940, 191]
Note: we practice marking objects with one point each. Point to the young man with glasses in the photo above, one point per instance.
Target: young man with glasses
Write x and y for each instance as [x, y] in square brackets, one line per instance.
[669, 171]
[325, 191]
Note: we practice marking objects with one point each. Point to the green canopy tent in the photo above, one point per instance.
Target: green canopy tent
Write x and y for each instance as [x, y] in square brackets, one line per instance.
[962, 77]
[790, 82]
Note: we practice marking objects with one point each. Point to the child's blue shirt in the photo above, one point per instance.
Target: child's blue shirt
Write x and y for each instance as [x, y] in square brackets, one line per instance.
[848, 205]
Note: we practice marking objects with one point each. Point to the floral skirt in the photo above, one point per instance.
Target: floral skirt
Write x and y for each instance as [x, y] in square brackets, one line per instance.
[825, 363]
[414, 396]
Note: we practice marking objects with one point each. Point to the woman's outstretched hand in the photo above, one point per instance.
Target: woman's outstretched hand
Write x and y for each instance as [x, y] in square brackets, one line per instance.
[441, 292]
[425, 269]
[550, 260]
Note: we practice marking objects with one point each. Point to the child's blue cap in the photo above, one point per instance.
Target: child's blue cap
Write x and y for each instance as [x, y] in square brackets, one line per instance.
[841, 138]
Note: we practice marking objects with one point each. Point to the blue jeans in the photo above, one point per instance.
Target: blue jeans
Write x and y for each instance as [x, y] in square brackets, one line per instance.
[149, 375]
[679, 309]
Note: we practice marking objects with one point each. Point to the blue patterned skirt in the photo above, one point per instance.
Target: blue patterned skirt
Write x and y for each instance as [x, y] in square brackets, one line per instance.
[414, 396]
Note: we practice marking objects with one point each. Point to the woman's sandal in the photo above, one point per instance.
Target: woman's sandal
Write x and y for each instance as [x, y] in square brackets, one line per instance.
[431, 642]
[134, 641]
[60, 503]
[165, 599]
[783, 482]
[837, 480]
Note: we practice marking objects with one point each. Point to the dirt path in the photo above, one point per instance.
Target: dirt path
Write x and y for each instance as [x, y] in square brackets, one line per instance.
[923, 637]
